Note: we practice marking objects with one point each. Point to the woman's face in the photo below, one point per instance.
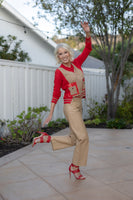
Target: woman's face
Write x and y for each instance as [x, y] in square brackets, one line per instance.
[64, 56]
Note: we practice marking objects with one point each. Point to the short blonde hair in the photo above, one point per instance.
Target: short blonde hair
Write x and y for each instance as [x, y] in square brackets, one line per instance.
[65, 46]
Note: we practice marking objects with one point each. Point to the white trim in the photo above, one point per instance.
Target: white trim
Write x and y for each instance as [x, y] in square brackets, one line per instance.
[17, 64]
[26, 23]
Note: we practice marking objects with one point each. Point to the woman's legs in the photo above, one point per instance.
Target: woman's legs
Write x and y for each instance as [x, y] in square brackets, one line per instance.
[73, 113]
[58, 142]
[78, 134]
[61, 142]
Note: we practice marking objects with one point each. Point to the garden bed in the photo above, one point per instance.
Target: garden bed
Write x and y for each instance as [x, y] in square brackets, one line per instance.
[11, 147]
[6, 148]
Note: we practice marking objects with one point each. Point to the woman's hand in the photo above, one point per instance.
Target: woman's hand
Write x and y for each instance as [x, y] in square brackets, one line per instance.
[47, 120]
[86, 28]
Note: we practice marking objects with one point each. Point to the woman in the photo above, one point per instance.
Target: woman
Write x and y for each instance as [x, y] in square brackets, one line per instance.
[69, 77]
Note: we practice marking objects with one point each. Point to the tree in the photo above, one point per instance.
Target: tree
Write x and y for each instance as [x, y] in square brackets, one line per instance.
[108, 19]
[10, 49]
[1, 2]
[128, 69]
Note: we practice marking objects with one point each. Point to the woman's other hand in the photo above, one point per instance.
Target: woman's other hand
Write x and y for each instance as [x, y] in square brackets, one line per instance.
[86, 28]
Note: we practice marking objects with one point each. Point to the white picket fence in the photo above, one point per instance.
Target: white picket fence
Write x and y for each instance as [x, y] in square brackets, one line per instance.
[24, 85]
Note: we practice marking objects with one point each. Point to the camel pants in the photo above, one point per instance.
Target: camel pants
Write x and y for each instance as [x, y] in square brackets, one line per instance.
[78, 135]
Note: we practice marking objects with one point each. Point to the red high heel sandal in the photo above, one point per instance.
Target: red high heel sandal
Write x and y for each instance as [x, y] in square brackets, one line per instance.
[40, 138]
[76, 171]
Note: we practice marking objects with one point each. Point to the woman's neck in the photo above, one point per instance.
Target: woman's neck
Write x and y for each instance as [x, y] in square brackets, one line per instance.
[67, 64]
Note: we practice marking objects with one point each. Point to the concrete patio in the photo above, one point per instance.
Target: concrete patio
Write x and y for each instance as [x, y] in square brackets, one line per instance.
[40, 174]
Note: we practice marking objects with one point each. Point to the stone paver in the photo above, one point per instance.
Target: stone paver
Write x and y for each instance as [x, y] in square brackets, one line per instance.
[40, 174]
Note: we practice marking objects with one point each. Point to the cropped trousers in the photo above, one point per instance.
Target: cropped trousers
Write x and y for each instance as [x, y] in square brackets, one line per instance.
[78, 135]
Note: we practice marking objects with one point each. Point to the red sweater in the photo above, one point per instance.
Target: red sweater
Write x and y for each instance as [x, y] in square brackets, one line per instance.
[60, 81]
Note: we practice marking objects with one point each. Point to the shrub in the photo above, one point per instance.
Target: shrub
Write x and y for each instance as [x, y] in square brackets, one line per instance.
[97, 110]
[11, 49]
[116, 123]
[59, 123]
[25, 125]
[125, 109]
[94, 121]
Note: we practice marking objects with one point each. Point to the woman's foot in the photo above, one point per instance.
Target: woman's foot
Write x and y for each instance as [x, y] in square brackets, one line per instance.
[76, 172]
[43, 138]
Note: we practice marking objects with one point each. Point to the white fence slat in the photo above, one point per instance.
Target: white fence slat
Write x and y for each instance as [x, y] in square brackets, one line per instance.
[23, 85]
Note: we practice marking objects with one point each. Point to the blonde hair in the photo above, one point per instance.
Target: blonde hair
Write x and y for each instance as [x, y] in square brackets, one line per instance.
[65, 46]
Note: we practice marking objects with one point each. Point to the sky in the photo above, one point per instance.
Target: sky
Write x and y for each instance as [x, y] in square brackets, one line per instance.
[28, 12]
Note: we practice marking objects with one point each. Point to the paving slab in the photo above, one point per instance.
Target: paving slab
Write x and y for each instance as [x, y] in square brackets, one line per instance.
[40, 174]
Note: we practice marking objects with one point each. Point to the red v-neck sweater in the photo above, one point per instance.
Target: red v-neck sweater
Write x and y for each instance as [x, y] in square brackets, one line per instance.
[60, 81]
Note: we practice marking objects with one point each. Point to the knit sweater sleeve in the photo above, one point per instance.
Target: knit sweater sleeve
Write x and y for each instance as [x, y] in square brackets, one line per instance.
[57, 86]
[82, 57]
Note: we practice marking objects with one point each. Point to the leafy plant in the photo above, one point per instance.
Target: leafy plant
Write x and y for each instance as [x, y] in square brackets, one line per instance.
[25, 125]
[11, 49]
[1, 1]
[97, 110]
[59, 123]
[125, 111]
[125, 108]
[95, 53]
[96, 121]
[116, 123]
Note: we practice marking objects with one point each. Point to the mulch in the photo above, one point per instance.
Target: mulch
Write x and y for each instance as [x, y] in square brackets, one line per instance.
[6, 148]
[11, 147]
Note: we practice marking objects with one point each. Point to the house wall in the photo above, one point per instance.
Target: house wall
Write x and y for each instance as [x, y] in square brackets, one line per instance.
[23, 85]
[39, 50]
